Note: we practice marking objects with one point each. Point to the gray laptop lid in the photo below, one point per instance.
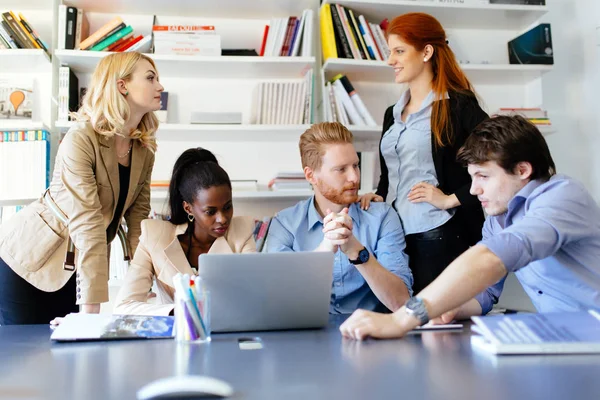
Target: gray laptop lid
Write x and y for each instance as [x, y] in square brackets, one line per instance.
[267, 291]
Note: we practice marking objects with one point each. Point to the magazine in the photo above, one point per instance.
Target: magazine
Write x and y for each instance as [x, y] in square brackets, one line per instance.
[76, 327]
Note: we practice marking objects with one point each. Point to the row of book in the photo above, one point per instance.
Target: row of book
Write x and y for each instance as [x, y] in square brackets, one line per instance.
[17, 33]
[344, 105]
[345, 34]
[290, 36]
[536, 116]
[115, 35]
[25, 164]
[285, 102]
[289, 181]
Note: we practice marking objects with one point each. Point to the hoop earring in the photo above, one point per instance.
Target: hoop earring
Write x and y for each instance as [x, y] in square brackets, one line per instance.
[190, 218]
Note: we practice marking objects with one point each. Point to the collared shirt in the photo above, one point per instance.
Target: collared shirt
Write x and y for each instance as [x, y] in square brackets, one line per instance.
[550, 238]
[300, 228]
[406, 149]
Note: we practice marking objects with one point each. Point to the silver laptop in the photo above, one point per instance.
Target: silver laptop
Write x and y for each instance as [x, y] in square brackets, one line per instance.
[267, 291]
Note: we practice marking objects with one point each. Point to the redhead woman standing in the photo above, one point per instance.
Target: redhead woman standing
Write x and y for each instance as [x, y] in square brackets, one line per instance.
[421, 135]
[54, 253]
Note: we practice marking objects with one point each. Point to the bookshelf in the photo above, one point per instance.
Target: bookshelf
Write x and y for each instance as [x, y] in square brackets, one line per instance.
[478, 34]
[451, 15]
[22, 125]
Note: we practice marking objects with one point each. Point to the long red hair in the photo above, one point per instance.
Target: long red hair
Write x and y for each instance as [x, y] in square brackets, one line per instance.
[419, 30]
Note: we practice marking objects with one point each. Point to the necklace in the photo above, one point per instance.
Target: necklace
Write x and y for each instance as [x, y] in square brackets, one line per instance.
[128, 151]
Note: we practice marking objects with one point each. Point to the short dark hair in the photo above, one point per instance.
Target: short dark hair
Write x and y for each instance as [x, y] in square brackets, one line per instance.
[195, 169]
[508, 140]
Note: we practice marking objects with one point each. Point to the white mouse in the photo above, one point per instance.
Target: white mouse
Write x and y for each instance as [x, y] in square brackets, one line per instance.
[182, 386]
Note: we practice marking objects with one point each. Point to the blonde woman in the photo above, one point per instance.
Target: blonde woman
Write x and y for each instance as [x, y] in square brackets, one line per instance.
[54, 253]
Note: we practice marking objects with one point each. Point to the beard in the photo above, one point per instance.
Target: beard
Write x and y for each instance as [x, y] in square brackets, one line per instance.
[338, 196]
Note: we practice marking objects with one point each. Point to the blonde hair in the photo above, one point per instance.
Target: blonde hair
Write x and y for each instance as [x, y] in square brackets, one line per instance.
[312, 142]
[106, 108]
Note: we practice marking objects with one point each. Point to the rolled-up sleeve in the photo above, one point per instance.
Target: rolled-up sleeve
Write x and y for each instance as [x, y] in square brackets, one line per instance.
[279, 239]
[390, 248]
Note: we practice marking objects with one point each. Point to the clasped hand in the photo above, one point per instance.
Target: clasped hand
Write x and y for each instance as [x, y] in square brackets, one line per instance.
[337, 232]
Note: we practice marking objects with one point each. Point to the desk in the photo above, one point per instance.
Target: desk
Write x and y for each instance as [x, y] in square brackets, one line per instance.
[311, 364]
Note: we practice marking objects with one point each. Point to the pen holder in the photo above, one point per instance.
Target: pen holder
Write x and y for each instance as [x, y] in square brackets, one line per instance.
[192, 316]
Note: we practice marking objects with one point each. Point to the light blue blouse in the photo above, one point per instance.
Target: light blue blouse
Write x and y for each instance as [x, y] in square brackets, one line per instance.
[406, 148]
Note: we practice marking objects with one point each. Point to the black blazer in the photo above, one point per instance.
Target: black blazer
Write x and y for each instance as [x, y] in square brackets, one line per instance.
[452, 176]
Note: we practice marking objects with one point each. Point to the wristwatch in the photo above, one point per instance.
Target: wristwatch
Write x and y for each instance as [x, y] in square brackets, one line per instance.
[416, 307]
[363, 257]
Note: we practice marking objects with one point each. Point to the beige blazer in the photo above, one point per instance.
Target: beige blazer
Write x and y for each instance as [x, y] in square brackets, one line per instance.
[85, 186]
[160, 255]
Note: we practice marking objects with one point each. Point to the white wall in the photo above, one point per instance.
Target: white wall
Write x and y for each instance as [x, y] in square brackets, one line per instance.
[570, 90]
[570, 96]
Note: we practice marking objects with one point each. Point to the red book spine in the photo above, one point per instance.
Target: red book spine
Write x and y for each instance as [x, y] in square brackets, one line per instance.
[128, 44]
[264, 41]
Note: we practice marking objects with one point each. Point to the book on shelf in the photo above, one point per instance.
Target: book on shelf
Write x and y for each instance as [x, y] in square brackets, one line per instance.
[68, 93]
[343, 103]
[195, 40]
[16, 30]
[536, 116]
[285, 102]
[346, 34]
[164, 103]
[16, 99]
[33, 33]
[77, 326]
[520, 2]
[529, 333]
[532, 47]
[289, 181]
[367, 163]
[25, 164]
[73, 27]
[288, 37]
[142, 45]
[105, 31]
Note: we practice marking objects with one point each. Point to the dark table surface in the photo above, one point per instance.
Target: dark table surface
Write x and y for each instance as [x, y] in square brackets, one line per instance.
[310, 364]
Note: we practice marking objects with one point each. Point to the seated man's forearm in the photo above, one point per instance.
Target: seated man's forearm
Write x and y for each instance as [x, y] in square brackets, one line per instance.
[390, 289]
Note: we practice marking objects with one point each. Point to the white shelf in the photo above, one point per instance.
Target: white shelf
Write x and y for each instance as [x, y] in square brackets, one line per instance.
[258, 9]
[479, 74]
[21, 125]
[221, 132]
[24, 61]
[161, 194]
[451, 16]
[16, 202]
[546, 130]
[233, 133]
[238, 67]
[365, 133]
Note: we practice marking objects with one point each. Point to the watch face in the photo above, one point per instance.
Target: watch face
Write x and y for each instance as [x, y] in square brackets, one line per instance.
[363, 255]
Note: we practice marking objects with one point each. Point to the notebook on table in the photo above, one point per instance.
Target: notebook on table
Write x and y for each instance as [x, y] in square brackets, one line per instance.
[77, 327]
[551, 333]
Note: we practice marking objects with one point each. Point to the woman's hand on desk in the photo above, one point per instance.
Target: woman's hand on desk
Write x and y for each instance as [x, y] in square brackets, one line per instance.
[363, 324]
[424, 192]
[366, 199]
[84, 308]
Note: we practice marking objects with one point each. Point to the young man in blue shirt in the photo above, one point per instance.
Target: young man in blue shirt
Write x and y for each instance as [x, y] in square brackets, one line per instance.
[371, 269]
[542, 226]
